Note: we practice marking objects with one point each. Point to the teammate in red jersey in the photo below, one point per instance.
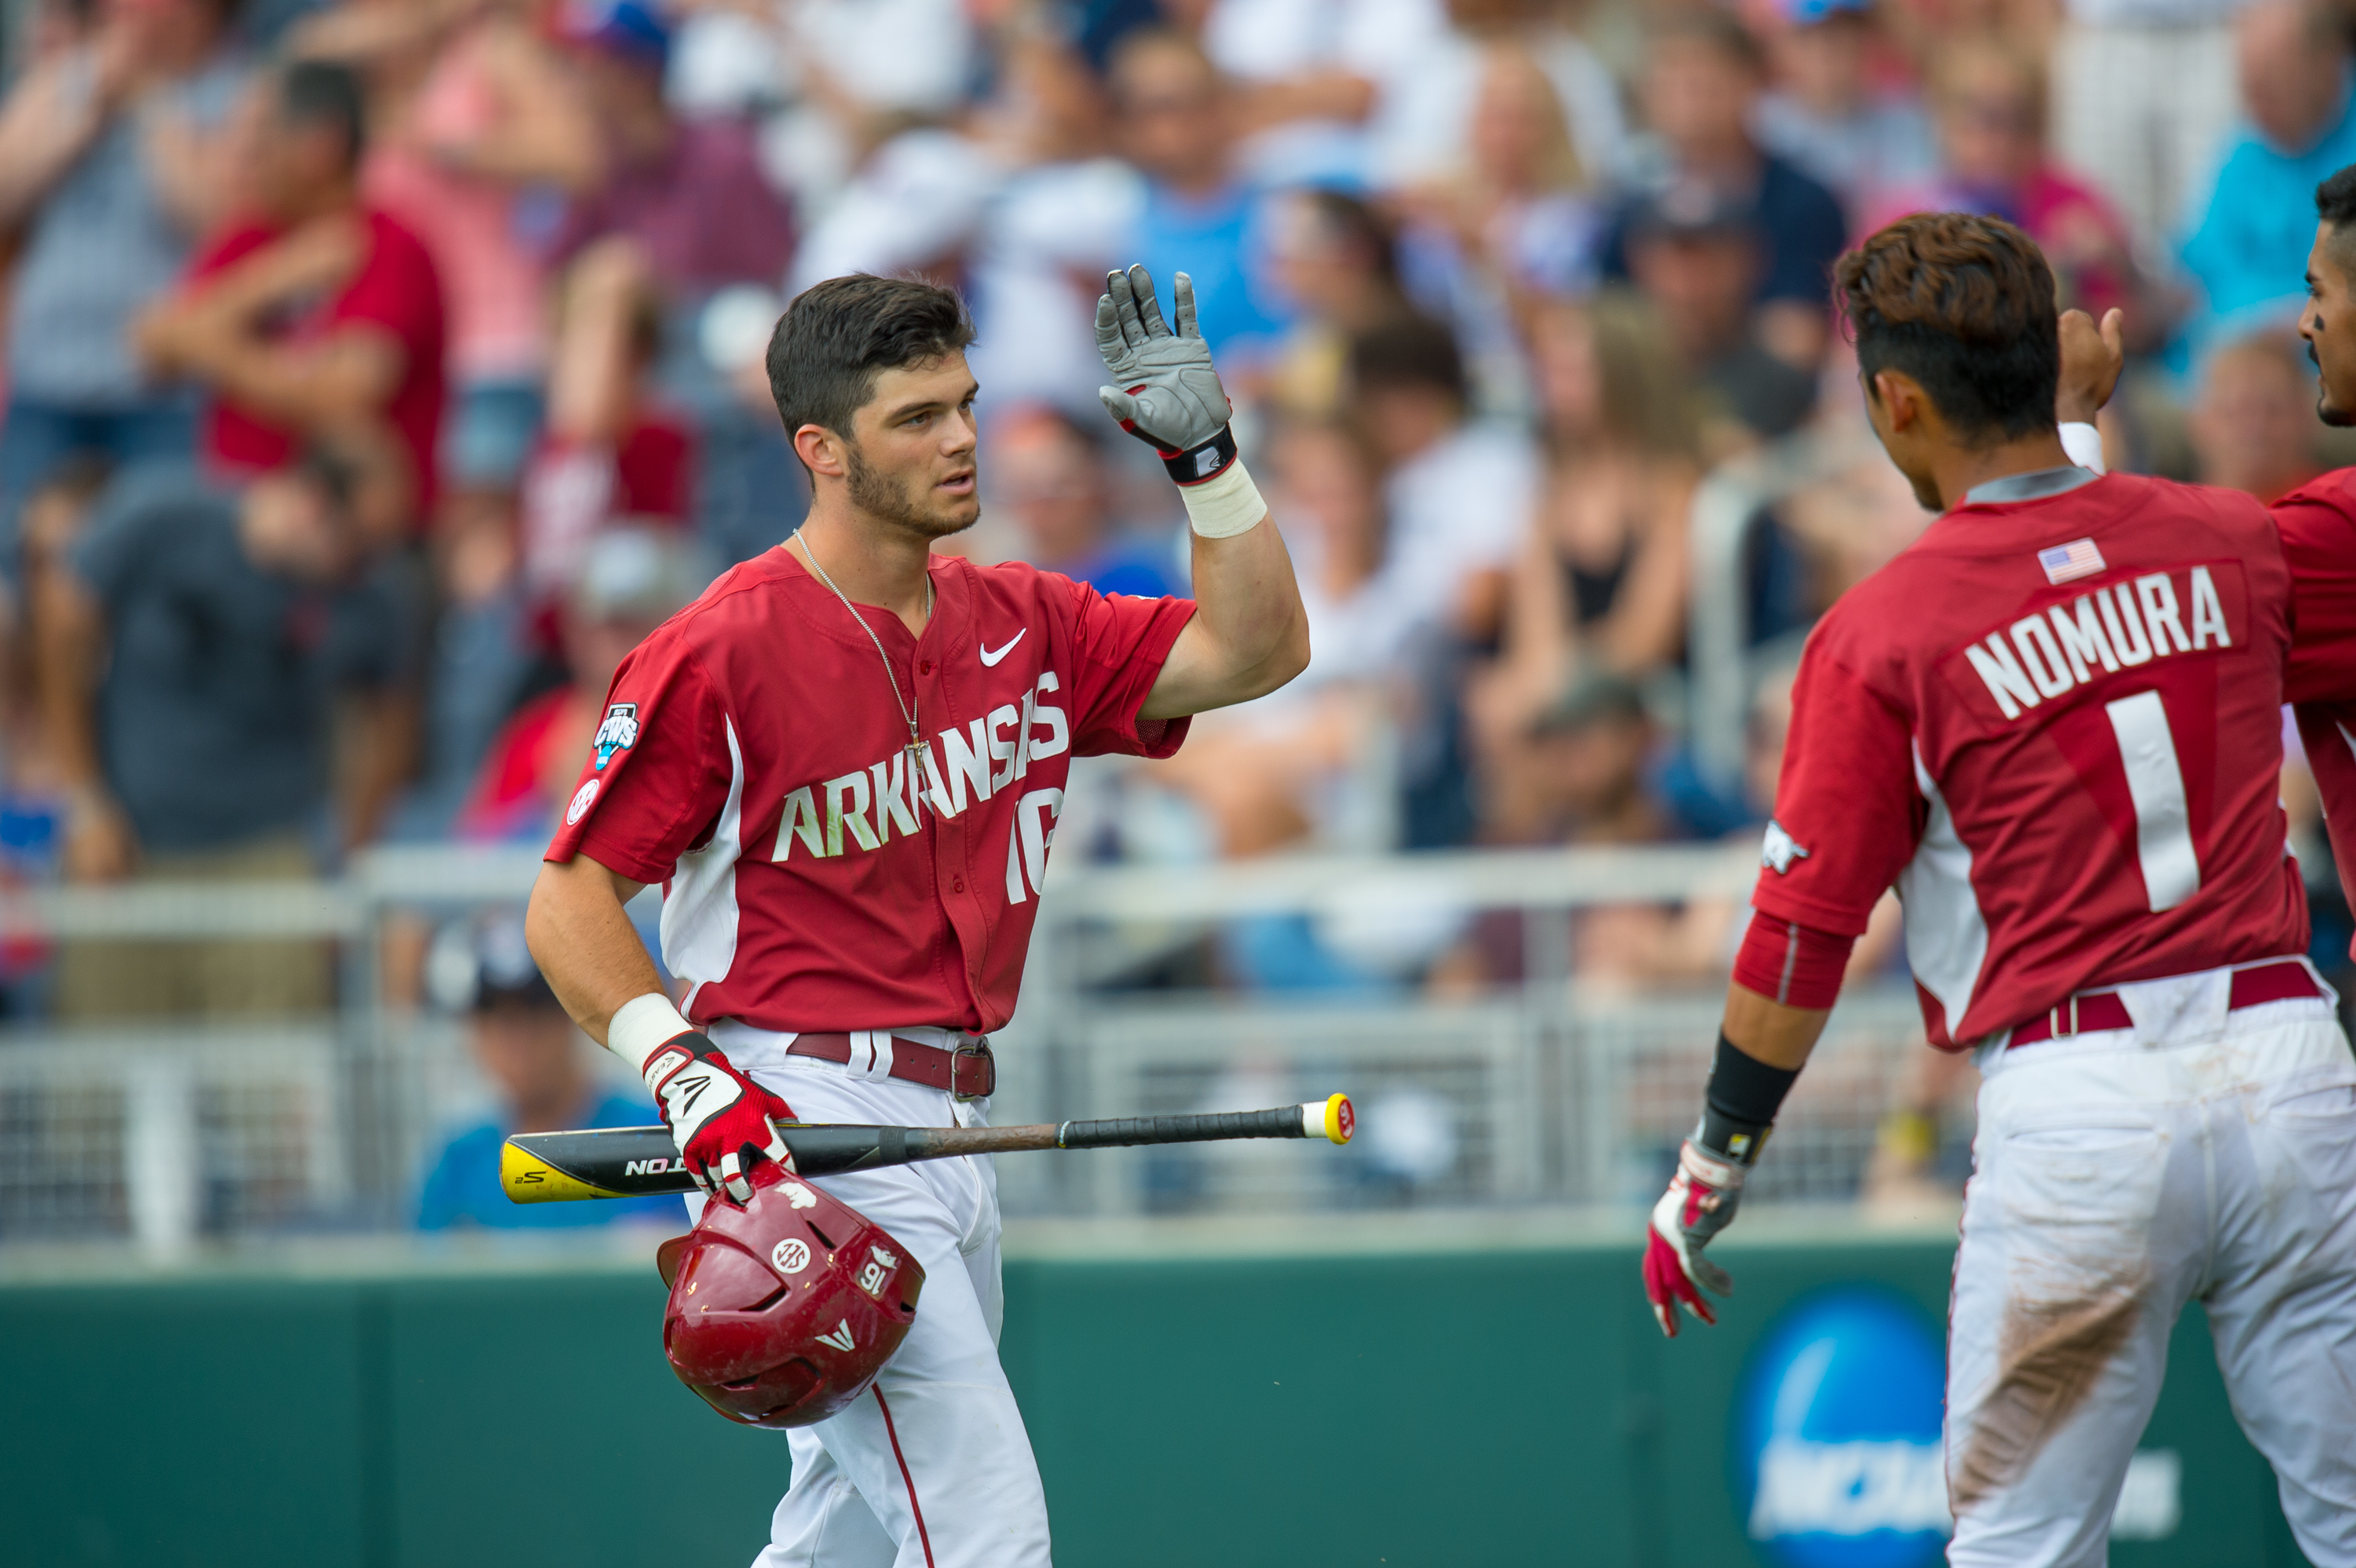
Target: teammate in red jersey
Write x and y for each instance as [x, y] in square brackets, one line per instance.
[844, 764]
[2318, 522]
[2053, 724]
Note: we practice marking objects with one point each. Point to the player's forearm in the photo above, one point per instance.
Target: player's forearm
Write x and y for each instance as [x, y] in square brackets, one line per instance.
[1250, 635]
[1770, 1032]
[582, 937]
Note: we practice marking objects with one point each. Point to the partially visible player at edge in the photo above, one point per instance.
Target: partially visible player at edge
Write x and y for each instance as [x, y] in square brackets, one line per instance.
[2053, 724]
[2318, 522]
[844, 764]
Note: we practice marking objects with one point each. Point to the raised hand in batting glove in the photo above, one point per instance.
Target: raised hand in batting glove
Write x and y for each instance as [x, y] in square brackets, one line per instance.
[720, 1119]
[1699, 1203]
[1167, 392]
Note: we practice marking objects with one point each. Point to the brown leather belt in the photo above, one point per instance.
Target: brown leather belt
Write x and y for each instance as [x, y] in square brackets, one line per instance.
[2090, 1011]
[969, 1072]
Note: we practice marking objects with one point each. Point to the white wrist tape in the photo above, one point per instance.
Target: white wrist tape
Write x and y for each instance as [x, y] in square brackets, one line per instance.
[1225, 505]
[643, 1025]
[2083, 443]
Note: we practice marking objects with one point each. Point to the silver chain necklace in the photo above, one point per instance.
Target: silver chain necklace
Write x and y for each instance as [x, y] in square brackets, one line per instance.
[908, 708]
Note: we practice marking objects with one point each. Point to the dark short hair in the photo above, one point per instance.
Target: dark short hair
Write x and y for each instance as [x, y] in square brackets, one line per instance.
[324, 92]
[2335, 198]
[2335, 203]
[838, 336]
[1408, 351]
[1964, 305]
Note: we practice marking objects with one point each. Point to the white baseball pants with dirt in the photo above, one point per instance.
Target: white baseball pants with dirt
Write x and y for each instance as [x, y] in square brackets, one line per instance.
[2203, 1155]
[931, 1468]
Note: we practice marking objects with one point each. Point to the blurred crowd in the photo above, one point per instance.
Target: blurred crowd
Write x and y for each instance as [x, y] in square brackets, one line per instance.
[378, 372]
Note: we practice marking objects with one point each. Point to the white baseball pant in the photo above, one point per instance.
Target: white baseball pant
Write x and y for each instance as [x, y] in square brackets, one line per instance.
[2200, 1155]
[931, 1468]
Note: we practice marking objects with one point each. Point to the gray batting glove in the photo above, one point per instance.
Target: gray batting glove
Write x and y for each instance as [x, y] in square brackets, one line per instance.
[1172, 396]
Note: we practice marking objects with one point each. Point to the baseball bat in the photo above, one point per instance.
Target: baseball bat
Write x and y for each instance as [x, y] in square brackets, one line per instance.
[637, 1162]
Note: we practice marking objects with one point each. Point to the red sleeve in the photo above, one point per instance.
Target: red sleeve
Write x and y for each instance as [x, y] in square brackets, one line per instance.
[1848, 813]
[1122, 643]
[659, 768]
[2318, 525]
[2329, 733]
[1791, 964]
[397, 290]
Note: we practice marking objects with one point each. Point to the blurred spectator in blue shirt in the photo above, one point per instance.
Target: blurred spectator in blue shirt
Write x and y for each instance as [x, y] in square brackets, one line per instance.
[1048, 471]
[2249, 244]
[1171, 105]
[527, 1046]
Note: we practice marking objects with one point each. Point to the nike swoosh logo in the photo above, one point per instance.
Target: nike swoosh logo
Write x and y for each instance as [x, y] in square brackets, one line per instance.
[989, 656]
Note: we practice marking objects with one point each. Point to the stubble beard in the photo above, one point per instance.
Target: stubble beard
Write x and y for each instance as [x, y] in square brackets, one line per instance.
[885, 497]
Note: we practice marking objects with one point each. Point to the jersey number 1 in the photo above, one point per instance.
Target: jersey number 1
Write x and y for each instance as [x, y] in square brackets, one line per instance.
[2171, 871]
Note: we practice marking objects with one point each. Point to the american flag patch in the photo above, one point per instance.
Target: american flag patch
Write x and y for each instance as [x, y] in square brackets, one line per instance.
[2069, 562]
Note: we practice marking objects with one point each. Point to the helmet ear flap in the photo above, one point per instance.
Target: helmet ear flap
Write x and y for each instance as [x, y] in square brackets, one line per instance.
[667, 1258]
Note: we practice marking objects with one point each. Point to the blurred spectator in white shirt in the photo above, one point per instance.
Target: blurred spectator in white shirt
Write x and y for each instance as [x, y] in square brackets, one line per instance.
[1826, 114]
[1424, 114]
[1518, 224]
[1459, 492]
[1315, 763]
[2142, 92]
[1058, 211]
[845, 77]
[1308, 75]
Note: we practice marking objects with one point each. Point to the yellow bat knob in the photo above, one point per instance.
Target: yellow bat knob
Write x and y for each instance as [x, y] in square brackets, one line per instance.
[1341, 1119]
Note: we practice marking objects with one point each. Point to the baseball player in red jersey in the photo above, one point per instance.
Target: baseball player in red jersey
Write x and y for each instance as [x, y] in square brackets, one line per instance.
[2053, 724]
[844, 765]
[2318, 522]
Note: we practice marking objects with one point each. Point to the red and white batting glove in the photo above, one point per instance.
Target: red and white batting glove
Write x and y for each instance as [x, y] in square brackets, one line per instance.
[721, 1121]
[1699, 1203]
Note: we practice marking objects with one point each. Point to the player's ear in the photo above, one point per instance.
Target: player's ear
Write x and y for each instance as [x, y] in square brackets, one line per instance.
[821, 451]
[1899, 400]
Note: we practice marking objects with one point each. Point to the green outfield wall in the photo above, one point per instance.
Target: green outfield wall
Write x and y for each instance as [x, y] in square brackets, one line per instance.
[1400, 1405]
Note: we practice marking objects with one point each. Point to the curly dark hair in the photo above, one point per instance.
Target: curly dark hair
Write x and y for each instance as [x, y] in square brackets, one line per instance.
[837, 336]
[1966, 305]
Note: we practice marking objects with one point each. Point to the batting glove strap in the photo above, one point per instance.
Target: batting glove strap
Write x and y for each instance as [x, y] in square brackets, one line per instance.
[1205, 461]
[721, 1121]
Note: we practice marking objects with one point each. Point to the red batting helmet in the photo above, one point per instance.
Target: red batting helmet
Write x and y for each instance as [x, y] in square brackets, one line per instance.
[783, 1311]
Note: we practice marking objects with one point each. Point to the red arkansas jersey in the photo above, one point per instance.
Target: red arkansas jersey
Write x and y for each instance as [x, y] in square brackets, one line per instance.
[816, 874]
[2055, 727]
[2318, 524]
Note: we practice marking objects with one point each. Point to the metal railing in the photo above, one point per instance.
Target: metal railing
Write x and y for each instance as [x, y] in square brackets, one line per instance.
[1545, 1091]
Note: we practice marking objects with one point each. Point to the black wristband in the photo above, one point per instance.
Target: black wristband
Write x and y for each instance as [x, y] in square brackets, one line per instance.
[1744, 1095]
[1207, 461]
